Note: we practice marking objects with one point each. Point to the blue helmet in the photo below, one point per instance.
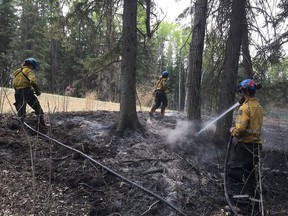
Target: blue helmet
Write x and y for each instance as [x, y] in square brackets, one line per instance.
[32, 62]
[248, 86]
[165, 74]
[248, 83]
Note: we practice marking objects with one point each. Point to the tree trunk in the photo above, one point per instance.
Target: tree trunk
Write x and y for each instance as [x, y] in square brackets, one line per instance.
[228, 80]
[195, 62]
[181, 83]
[147, 21]
[54, 64]
[128, 116]
[182, 93]
[8, 28]
[247, 62]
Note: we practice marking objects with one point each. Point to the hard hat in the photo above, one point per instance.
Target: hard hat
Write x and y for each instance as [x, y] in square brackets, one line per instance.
[165, 74]
[248, 86]
[32, 62]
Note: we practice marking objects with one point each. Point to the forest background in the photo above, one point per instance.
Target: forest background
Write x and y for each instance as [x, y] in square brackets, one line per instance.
[80, 44]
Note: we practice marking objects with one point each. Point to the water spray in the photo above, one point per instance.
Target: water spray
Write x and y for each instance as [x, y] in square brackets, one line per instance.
[216, 119]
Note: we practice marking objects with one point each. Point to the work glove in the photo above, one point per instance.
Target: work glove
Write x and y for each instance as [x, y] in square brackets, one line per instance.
[38, 93]
[36, 89]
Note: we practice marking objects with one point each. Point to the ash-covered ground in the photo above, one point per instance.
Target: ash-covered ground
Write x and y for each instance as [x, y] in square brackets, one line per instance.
[41, 177]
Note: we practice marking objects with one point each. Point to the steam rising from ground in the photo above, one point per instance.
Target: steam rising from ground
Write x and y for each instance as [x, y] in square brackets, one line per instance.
[181, 131]
[186, 139]
[185, 131]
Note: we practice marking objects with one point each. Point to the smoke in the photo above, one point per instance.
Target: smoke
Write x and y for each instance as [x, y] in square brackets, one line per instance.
[182, 130]
[186, 140]
[185, 131]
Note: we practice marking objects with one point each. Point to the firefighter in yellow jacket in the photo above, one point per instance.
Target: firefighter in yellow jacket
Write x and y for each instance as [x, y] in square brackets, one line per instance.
[243, 164]
[24, 83]
[160, 94]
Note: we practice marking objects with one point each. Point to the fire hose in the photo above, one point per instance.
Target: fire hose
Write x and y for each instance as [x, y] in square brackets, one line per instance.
[225, 181]
[109, 170]
[225, 177]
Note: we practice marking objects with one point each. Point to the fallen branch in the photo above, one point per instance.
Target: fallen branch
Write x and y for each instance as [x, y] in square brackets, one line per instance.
[150, 207]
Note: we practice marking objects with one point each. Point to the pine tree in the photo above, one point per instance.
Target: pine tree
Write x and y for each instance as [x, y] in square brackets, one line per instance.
[7, 33]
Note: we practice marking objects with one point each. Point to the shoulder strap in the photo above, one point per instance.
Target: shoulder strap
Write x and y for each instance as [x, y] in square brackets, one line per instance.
[23, 74]
[18, 72]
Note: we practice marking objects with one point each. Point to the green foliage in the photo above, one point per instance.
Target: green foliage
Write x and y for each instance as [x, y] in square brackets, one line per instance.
[83, 47]
[277, 72]
[97, 65]
[213, 59]
[7, 34]
[170, 49]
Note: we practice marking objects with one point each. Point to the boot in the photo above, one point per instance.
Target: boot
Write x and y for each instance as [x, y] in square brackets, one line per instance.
[162, 112]
[151, 112]
[42, 122]
[14, 123]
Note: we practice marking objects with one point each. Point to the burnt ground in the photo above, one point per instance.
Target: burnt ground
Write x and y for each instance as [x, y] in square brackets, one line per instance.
[41, 177]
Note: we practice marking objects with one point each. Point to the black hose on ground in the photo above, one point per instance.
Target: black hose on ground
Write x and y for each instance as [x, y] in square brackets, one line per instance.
[109, 170]
[225, 177]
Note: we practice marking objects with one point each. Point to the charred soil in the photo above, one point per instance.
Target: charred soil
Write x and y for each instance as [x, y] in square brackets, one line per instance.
[41, 177]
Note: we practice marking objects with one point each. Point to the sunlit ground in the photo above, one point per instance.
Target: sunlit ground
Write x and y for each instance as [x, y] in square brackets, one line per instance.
[57, 103]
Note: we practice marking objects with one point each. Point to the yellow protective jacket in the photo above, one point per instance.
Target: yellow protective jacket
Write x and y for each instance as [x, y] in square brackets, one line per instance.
[249, 122]
[23, 78]
[162, 84]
